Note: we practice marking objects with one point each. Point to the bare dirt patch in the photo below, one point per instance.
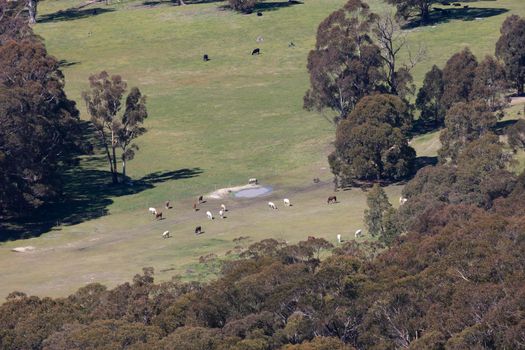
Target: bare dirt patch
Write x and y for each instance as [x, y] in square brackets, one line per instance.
[517, 100]
[225, 192]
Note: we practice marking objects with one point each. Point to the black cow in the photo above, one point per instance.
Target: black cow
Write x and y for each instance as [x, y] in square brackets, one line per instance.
[205, 58]
[198, 230]
[256, 51]
[259, 14]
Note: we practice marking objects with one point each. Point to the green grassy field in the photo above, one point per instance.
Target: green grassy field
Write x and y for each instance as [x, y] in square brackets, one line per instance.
[226, 120]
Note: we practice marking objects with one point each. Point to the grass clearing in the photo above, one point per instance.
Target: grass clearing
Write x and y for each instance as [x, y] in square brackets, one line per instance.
[226, 120]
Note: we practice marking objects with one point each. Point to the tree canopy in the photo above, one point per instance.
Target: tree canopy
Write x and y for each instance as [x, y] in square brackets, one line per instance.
[243, 5]
[464, 123]
[380, 218]
[511, 49]
[40, 126]
[371, 144]
[411, 8]
[429, 98]
[454, 281]
[115, 129]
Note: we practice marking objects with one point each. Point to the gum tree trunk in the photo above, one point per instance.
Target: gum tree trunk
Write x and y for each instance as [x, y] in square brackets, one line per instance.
[31, 5]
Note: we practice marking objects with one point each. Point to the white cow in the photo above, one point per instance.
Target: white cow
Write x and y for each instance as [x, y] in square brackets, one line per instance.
[152, 211]
[166, 234]
[221, 213]
[209, 215]
[402, 200]
[253, 181]
[358, 233]
[286, 202]
[223, 207]
[339, 238]
[272, 205]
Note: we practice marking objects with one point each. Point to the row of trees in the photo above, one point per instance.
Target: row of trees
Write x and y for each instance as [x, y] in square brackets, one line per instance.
[115, 129]
[356, 54]
[454, 281]
[30, 6]
[467, 98]
[41, 132]
[464, 79]
[355, 71]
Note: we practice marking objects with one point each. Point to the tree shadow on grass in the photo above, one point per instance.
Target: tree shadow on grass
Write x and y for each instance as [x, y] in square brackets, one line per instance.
[273, 6]
[266, 6]
[421, 127]
[424, 161]
[72, 14]
[86, 196]
[501, 126]
[444, 15]
[153, 3]
[66, 63]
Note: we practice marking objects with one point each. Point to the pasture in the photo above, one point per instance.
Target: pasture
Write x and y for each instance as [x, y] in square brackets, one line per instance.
[212, 125]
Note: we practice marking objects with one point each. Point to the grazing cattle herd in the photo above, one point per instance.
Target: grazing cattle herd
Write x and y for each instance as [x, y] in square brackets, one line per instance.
[222, 211]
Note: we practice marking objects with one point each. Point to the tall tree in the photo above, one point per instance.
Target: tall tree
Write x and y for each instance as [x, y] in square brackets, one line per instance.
[378, 206]
[391, 227]
[464, 123]
[458, 78]
[490, 84]
[429, 98]
[383, 108]
[131, 125]
[511, 49]
[40, 127]
[371, 144]
[516, 135]
[103, 102]
[345, 64]
[392, 40]
[13, 22]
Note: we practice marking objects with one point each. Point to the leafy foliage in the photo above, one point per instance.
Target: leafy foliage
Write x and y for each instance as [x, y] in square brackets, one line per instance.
[477, 179]
[411, 8]
[511, 49]
[380, 217]
[459, 285]
[104, 104]
[40, 126]
[345, 64]
[429, 98]
[464, 123]
[458, 78]
[243, 5]
[371, 144]
[516, 135]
